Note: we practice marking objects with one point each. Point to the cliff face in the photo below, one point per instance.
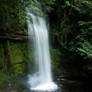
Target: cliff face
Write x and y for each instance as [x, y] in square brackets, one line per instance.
[13, 53]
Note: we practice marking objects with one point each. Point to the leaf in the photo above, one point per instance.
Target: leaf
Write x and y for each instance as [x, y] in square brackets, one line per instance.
[68, 3]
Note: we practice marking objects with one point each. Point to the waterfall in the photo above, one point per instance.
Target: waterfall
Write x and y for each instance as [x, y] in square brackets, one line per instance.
[41, 79]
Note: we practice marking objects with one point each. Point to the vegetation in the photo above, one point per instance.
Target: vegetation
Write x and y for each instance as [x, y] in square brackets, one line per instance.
[70, 36]
[71, 30]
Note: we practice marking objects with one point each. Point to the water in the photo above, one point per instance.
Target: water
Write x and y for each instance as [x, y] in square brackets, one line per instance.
[64, 85]
[41, 79]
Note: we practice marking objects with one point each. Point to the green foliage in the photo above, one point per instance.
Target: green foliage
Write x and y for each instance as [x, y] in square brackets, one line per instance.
[35, 8]
[1, 91]
[19, 58]
[88, 2]
[84, 23]
[71, 22]
[82, 41]
[12, 91]
[4, 78]
[47, 4]
[19, 54]
[12, 15]
[18, 69]
[67, 3]
[86, 49]
[72, 30]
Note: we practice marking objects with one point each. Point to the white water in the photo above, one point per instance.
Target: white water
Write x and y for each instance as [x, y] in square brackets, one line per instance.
[42, 77]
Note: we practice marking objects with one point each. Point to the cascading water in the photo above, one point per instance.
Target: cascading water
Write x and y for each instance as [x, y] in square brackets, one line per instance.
[41, 79]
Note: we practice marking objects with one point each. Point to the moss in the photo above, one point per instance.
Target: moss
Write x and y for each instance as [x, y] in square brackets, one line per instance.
[19, 57]
[19, 52]
[25, 32]
[1, 91]
[16, 53]
[12, 91]
[18, 69]
[4, 78]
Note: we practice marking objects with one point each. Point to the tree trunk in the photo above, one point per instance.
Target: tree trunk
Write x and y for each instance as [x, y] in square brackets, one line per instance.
[8, 54]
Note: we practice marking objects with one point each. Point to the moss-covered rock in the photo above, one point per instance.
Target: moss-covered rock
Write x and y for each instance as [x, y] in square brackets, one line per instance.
[19, 52]
[4, 78]
[12, 91]
[1, 91]
[19, 58]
